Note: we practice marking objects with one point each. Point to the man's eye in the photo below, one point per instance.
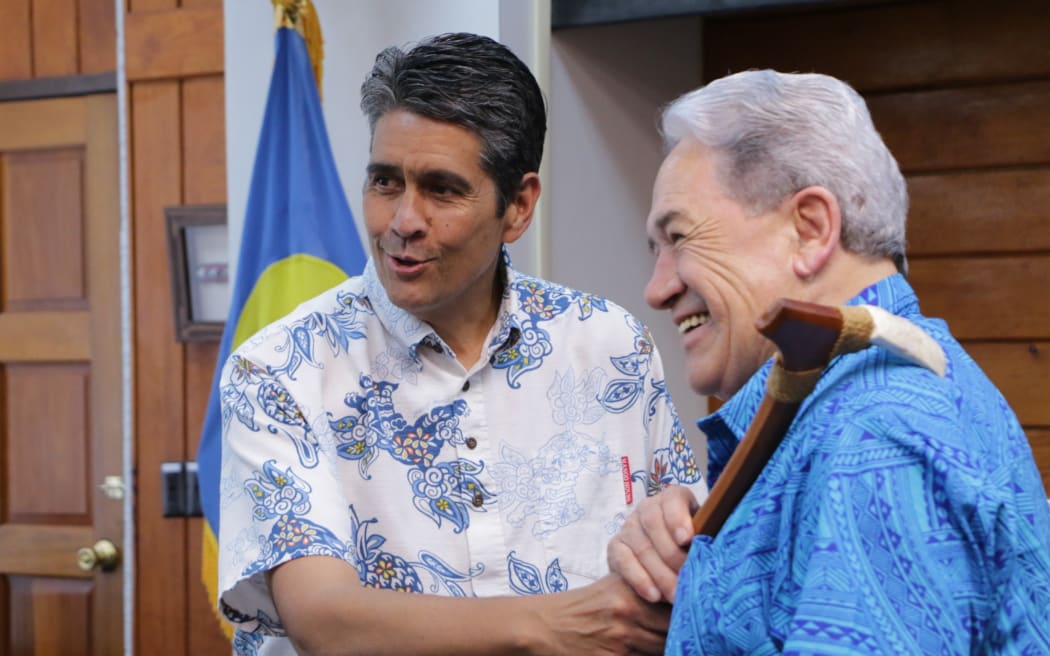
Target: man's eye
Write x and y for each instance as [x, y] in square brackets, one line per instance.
[384, 183]
[675, 237]
[442, 191]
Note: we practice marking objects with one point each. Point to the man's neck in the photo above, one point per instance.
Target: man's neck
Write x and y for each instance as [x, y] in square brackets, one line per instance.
[467, 339]
[466, 332]
[851, 274]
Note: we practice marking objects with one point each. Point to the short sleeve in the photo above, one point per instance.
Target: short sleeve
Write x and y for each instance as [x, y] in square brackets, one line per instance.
[280, 499]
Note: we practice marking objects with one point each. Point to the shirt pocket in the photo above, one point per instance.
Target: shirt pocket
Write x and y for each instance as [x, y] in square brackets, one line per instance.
[583, 524]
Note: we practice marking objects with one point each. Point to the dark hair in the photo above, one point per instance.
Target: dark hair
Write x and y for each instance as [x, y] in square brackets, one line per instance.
[471, 81]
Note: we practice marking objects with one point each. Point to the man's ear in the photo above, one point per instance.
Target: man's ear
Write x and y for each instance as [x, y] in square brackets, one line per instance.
[818, 227]
[522, 204]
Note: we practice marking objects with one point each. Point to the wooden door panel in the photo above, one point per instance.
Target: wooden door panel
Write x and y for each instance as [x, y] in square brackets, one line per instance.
[16, 56]
[46, 465]
[45, 336]
[943, 129]
[41, 38]
[98, 36]
[60, 398]
[1021, 371]
[43, 550]
[43, 263]
[1039, 438]
[203, 116]
[157, 151]
[986, 297]
[173, 43]
[908, 44]
[992, 211]
[38, 124]
[36, 602]
[5, 624]
[54, 37]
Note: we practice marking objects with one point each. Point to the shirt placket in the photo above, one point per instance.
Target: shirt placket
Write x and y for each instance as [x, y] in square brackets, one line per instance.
[487, 538]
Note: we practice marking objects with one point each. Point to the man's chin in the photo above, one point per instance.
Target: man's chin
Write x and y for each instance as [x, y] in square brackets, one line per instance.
[408, 302]
[708, 376]
[705, 386]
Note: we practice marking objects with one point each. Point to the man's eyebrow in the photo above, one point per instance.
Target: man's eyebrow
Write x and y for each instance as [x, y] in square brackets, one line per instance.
[445, 178]
[380, 168]
[660, 225]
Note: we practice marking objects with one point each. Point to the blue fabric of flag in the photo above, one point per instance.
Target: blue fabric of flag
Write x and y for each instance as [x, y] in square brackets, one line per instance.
[299, 239]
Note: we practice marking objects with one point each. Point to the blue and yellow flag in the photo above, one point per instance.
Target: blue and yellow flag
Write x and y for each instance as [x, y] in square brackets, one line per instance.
[299, 236]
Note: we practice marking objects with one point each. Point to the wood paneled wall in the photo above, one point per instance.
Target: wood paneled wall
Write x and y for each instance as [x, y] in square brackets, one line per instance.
[51, 38]
[960, 90]
[174, 57]
[174, 60]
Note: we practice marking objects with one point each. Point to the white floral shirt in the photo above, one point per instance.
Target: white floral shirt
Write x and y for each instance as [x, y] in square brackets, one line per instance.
[351, 430]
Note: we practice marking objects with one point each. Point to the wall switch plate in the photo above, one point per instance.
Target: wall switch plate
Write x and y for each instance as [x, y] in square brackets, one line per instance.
[180, 493]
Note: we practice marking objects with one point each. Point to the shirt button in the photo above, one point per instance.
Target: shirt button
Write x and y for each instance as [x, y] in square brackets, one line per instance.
[466, 386]
[478, 500]
[472, 443]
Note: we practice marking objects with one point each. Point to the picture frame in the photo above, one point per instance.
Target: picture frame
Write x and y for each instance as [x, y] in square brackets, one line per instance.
[199, 265]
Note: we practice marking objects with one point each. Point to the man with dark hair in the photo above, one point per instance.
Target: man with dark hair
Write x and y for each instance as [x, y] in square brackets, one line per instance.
[444, 424]
[902, 513]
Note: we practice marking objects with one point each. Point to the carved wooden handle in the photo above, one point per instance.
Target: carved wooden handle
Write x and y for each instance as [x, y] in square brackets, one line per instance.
[806, 335]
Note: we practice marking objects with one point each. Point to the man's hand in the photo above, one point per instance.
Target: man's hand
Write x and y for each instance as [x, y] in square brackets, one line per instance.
[652, 545]
[605, 617]
[326, 610]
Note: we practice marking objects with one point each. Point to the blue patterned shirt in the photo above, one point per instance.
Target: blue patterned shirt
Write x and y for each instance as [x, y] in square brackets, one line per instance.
[902, 514]
[351, 430]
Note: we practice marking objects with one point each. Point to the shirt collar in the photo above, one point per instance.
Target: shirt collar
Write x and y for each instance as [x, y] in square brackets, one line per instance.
[726, 426]
[412, 332]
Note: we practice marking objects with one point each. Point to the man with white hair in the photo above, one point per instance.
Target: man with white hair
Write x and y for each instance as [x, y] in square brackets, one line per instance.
[902, 512]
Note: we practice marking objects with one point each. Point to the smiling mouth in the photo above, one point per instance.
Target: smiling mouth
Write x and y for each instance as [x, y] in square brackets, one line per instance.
[693, 321]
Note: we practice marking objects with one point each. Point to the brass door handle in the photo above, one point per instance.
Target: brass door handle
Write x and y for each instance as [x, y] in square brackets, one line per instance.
[104, 555]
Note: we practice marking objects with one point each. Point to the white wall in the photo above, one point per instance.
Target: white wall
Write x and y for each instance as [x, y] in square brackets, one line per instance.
[607, 86]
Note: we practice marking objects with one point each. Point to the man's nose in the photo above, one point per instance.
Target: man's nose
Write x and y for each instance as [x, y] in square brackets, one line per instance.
[664, 285]
[410, 217]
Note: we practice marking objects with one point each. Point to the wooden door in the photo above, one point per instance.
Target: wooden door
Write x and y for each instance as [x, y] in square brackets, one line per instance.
[60, 376]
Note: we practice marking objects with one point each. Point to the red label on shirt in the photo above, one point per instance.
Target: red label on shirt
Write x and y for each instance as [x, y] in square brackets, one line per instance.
[628, 490]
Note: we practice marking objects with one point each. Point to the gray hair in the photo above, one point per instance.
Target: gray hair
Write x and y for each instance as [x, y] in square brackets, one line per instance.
[471, 81]
[774, 134]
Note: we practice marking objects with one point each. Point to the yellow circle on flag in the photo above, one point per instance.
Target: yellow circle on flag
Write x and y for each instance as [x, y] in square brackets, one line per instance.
[281, 287]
